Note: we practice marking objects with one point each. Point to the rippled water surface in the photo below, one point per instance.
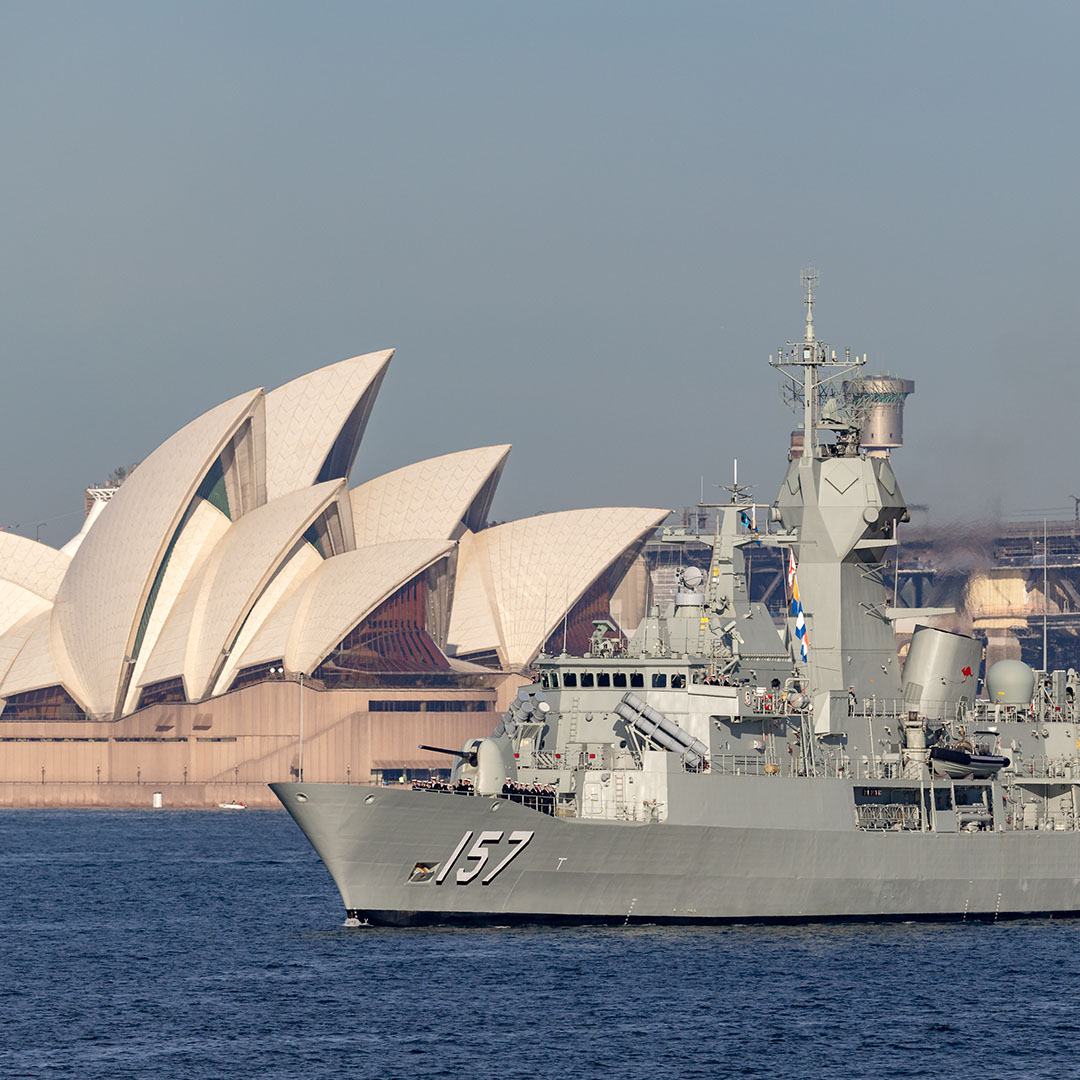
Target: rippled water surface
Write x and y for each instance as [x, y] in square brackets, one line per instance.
[184, 944]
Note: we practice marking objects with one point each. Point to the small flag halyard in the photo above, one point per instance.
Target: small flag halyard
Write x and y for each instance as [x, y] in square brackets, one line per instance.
[750, 523]
[796, 609]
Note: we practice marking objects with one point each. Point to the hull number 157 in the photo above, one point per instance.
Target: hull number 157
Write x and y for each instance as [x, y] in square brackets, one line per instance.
[479, 854]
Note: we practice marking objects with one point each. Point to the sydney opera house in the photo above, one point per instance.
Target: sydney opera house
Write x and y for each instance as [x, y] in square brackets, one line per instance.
[234, 591]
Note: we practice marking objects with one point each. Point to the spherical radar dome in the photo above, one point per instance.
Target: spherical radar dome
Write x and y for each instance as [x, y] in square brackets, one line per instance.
[1010, 682]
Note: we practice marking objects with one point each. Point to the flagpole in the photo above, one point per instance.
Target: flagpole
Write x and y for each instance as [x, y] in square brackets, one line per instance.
[1045, 598]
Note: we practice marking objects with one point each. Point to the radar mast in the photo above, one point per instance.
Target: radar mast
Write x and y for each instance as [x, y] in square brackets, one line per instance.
[820, 369]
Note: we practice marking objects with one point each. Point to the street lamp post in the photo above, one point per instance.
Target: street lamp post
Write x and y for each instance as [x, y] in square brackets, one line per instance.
[300, 757]
[301, 766]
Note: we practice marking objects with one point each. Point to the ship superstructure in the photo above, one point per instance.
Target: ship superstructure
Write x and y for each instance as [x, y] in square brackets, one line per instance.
[713, 766]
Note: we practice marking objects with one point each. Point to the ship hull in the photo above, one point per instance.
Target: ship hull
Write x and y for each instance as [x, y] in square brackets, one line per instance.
[476, 860]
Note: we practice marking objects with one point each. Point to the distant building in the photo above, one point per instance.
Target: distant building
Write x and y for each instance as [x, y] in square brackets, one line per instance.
[235, 566]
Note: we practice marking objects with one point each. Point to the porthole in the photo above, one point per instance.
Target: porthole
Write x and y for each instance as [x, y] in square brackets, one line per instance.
[495, 806]
[369, 799]
[301, 797]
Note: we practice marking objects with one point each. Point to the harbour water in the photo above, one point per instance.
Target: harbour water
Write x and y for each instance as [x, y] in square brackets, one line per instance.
[206, 945]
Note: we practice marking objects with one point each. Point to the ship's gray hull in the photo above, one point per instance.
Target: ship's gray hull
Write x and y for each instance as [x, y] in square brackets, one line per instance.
[574, 870]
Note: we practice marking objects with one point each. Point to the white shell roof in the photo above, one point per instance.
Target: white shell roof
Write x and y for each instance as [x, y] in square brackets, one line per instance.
[347, 588]
[75, 542]
[101, 599]
[474, 621]
[265, 621]
[237, 593]
[312, 619]
[424, 500]
[33, 668]
[32, 565]
[16, 604]
[11, 642]
[305, 417]
[530, 572]
[30, 574]
[165, 641]
[272, 638]
[212, 609]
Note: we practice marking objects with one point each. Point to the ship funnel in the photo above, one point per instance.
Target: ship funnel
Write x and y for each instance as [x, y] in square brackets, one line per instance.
[942, 670]
[877, 401]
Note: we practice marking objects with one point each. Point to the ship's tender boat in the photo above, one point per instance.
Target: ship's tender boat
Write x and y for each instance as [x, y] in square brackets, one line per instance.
[949, 761]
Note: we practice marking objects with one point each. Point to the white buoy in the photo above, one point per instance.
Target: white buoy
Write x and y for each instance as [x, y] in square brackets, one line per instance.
[158, 801]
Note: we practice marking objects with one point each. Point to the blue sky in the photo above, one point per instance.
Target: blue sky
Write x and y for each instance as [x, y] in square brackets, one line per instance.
[580, 224]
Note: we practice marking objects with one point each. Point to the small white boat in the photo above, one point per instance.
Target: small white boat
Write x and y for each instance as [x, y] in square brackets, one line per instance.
[231, 805]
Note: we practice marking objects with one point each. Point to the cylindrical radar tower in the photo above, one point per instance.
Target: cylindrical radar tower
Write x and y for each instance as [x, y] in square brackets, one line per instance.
[878, 400]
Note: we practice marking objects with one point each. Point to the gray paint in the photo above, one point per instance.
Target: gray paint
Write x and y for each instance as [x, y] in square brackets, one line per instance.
[816, 802]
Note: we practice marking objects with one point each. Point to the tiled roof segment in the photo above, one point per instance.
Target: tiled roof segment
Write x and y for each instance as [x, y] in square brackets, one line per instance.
[318, 420]
[530, 571]
[104, 594]
[430, 499]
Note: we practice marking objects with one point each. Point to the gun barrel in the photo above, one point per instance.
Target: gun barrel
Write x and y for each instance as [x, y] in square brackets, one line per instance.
[463, 754]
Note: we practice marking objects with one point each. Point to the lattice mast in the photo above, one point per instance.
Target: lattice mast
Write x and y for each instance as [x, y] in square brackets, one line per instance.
[813, 373]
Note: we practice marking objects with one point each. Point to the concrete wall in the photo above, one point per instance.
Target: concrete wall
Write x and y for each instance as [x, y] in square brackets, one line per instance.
[233, 746]
[135, 796]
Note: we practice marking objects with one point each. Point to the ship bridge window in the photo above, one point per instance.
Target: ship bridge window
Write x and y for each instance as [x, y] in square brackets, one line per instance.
[586, 679]
[603, 678]
[544, 679]
[659, 681]
[569, 679]
[618, 680]
[637, 680]
[678, 682]
[554, 676]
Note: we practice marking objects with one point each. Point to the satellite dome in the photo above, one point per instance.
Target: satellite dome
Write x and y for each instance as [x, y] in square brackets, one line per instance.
[1010, 682]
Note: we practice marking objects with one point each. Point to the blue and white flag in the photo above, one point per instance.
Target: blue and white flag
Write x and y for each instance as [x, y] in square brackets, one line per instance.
[796, 609]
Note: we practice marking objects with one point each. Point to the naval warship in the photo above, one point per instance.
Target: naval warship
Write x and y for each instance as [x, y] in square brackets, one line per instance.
[715, 766]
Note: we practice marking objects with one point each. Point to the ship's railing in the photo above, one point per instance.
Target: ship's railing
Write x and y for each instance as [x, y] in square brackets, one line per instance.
[870, 707]
[1046, 710]
[440, 787]
[874, 707]
[648, 812]
[545, 801]
[740, 765]
[826, 766]
[1041, 767]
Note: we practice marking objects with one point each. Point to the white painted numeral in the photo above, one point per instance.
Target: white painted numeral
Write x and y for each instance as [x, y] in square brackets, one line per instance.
[448, 865]
[480, 853]
[518, 840]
